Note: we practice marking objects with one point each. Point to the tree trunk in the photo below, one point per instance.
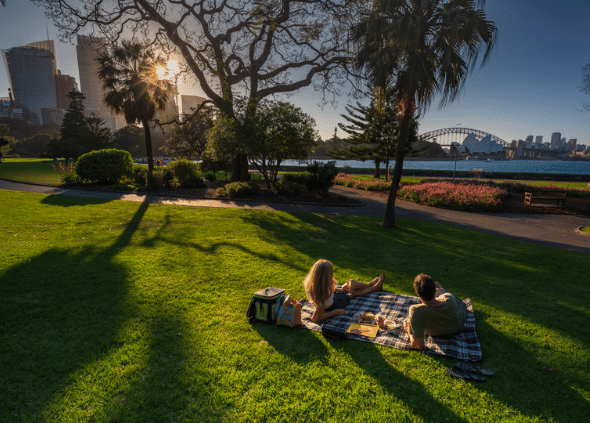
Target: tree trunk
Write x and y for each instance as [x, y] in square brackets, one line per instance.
[377, 168]
[239, 168]
[400, 152]
[148, 148]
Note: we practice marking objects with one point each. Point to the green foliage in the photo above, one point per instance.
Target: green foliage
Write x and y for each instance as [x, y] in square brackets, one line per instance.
[157, 179]
[104, 166]
[140, 174]
[210, 176]
[186, 173]
[130, 138]
[279, 131]
[189, 139]
[323, 176]
[290, 187]
[238, 189]
[34, 146]
[74, 121]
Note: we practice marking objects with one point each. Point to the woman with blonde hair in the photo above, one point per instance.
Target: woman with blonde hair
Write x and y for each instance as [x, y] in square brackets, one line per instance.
[327, 297]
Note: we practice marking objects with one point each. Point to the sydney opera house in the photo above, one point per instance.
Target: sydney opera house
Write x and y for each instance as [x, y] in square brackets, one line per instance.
[472, 145]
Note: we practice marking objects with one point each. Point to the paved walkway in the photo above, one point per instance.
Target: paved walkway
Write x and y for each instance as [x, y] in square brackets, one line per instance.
[559, 231]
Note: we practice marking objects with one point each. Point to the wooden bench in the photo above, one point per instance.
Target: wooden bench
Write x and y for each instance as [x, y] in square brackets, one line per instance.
[545, 197]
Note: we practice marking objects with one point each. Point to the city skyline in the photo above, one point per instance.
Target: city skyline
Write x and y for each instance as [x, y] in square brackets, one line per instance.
[530, 85]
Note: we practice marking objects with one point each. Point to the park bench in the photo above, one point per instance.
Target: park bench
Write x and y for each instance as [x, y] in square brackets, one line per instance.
[546, 197]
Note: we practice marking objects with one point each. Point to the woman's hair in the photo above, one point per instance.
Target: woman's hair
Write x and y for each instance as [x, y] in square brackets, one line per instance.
[425, 287]
[319, 282]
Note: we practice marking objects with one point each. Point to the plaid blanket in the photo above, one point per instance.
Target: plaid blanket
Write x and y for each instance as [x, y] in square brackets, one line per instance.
[463, 345]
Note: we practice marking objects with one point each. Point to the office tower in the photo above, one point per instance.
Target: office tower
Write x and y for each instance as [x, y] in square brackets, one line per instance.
[555, 139]
[571, 144]
[189, 102]
[31, 71]
[539, 140]
[64, 85]
[87, 50]
[529, 139]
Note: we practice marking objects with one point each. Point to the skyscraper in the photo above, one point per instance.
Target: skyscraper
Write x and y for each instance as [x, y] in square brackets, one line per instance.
[539, 140]
[555, 139]
[88, 49]
[31, 71]
[64, 84]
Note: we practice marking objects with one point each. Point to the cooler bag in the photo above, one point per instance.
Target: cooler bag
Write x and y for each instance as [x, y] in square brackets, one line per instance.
[262, 305]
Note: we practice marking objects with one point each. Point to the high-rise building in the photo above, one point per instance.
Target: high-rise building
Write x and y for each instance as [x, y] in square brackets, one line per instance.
[189, 102]
[64, 85]
[571, 144]
[88, 49]
[555, 139]
[539, 140]
[31, 71]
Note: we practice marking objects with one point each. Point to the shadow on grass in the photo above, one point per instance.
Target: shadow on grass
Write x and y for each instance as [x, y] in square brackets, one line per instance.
[62, 311]
[69, 201]
[528, 385]
[302, 346]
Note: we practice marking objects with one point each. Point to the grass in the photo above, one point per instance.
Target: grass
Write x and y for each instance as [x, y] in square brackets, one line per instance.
[134, 312]
[32, 171]
[586, 229]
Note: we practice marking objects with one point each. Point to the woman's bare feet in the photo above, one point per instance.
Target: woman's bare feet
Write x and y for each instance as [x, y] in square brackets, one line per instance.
[379, 285]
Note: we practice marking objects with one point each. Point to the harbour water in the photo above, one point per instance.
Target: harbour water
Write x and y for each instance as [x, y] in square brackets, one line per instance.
[563, 167]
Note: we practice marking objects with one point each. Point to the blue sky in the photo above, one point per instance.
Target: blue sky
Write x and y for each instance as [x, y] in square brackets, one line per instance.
[529, 86]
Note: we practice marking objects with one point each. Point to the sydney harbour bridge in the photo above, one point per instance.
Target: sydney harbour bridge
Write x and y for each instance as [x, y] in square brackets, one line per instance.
[446, 136]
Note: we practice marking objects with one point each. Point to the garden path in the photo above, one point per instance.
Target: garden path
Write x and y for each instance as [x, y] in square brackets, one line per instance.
[558, 231]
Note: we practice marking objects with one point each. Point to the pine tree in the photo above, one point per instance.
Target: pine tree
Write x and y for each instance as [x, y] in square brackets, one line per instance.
[74, 121]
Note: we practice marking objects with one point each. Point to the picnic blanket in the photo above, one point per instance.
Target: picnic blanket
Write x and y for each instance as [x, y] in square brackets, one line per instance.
[463, 345]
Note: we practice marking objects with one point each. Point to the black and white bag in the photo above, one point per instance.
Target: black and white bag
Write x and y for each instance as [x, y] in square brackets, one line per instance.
[262, 305]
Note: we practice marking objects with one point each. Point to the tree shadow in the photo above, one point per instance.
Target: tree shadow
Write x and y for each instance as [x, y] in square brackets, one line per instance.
[62, 310]
[535, 389]
[302, 346]
[70, 201]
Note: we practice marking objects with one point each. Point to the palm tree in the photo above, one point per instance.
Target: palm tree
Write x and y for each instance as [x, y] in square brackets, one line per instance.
[423, 48]
[129, 74]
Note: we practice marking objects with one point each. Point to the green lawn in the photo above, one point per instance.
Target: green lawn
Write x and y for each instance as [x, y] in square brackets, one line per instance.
[33, 171]
[133, 312]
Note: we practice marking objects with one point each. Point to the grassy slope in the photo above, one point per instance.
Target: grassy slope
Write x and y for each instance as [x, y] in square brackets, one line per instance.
[114, 311]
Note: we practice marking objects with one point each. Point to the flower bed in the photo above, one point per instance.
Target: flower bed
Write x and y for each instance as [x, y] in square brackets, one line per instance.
[455, 196]
[351, 181]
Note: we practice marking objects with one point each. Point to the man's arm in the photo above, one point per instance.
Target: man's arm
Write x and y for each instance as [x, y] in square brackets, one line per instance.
[417, 343]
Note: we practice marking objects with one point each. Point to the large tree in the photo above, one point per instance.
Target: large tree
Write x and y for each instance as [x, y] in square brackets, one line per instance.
[72, 130]
[260, 48]
[189, 139]
[427, 48]
[130, 76]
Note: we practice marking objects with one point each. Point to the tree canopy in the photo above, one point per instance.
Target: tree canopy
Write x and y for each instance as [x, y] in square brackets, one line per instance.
[258, 48]
[422, 48]
[129, 74]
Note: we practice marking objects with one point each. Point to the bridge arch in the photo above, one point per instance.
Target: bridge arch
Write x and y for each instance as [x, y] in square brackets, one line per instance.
[466, 131]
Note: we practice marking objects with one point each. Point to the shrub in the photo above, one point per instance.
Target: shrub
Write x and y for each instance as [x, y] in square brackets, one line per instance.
[104, 166]
[323, 176]
[221, 192]
[287, 187]
[140, 174]
[296, 177]
[156, 181]
[240, 189]
[186, 173]
[210, 176]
